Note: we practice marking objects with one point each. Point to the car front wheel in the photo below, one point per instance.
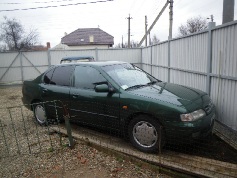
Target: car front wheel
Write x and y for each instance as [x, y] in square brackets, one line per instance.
[145, 133]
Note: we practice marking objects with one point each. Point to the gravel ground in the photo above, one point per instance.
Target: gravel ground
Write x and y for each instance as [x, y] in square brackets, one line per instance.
[28, 150]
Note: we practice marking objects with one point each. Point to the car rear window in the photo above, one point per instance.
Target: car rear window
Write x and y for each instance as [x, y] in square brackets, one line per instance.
[48, 76]
[61, 76]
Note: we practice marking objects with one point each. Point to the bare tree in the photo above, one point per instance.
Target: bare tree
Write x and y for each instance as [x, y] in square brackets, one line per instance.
[13, 35]
[133, 44]
[155, 40]
[193, 25]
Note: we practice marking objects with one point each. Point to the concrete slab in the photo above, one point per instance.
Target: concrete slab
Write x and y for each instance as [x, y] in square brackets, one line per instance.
[226, 134]
[192, 165]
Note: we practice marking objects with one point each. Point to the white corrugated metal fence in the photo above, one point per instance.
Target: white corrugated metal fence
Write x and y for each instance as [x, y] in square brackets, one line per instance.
[207, 61]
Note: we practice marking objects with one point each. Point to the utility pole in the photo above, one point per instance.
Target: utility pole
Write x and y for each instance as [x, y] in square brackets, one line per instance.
[149, 38]
[211, 17]
[122, 41]
[149, 30]
[228, 11]
[171, 19]
[146, 30]
[129, 18]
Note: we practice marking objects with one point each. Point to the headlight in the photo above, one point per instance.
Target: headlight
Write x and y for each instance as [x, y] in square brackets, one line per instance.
[192, 116]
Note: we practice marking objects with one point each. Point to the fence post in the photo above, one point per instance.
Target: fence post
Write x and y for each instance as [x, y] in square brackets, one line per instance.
[49, 58]
[69, 131]
[96, 54]
[169, 60]
[21, 63]
[211, 25]
[151, 60]
[66, 117]
[141, 58]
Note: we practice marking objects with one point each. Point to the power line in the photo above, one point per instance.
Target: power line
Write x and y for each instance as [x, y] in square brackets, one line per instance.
[10, 3]
[205, 6]
[132, 5]
[150, 28]
[158, 6]
[64, 5]
[36, 2]
[50, 1]
[139, 7]
[177, 3]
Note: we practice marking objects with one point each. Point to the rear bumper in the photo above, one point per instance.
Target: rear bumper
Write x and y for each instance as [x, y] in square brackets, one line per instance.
[26, 102]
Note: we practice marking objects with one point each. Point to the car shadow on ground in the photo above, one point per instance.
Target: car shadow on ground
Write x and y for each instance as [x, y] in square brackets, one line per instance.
[212, 148]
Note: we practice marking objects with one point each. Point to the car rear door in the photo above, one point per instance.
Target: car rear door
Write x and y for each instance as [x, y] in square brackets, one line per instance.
[56, 88]
[100, 109]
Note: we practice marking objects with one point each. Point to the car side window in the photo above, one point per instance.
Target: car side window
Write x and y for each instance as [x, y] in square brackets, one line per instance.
[61, 76]
[48, 76]
[86, 77]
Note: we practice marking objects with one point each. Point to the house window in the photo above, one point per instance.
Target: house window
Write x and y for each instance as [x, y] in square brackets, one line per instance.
[91, 38]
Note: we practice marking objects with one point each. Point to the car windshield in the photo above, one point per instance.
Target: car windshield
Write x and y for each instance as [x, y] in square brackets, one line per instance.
[128, 76]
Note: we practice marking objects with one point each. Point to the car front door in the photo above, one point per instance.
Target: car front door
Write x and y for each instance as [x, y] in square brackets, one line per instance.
[100, 109]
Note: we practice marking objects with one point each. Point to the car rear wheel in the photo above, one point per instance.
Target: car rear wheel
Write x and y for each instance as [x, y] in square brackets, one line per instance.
[145, 133]
[40, 114]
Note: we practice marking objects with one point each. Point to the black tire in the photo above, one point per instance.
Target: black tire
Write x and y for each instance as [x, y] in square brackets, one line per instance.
[145, 133]
[40, 113]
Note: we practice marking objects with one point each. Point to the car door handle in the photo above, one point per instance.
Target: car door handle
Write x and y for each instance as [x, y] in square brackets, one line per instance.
[75, 95]
[44, 91]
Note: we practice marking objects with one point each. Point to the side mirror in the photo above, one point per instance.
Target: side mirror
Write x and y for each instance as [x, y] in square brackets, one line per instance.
[103, 88]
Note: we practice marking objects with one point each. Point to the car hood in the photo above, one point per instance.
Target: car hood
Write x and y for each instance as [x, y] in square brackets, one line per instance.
[171, 93]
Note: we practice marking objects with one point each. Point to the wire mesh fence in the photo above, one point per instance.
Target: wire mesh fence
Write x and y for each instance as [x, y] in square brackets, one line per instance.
[28, 149]
[23, 139]
[190, 149]
[196, 151]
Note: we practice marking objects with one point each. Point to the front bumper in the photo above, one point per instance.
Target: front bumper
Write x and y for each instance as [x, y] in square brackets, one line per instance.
[205, 131]
[187, 131]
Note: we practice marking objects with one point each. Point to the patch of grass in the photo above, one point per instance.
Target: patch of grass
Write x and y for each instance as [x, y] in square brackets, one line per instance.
[51, 149]
[137, 168]
[65, 145]
[119, 159]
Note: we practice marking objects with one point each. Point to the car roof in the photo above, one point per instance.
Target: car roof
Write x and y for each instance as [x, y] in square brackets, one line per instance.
[70, 58]
[76, 59]
[97, 63]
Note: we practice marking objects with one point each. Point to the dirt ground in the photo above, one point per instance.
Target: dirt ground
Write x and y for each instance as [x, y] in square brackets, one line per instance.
[18, 137]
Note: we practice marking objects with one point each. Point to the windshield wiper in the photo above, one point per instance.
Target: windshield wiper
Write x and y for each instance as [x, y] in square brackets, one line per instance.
[152, 82]
[142, 85]
[135, 86]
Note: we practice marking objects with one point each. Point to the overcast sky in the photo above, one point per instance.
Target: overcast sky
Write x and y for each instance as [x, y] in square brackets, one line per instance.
[110, 16]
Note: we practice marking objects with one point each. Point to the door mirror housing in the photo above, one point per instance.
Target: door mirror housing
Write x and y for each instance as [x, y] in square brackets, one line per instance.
[102, 88]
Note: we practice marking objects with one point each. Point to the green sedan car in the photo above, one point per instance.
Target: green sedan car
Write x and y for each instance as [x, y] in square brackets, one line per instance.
[121, 97]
